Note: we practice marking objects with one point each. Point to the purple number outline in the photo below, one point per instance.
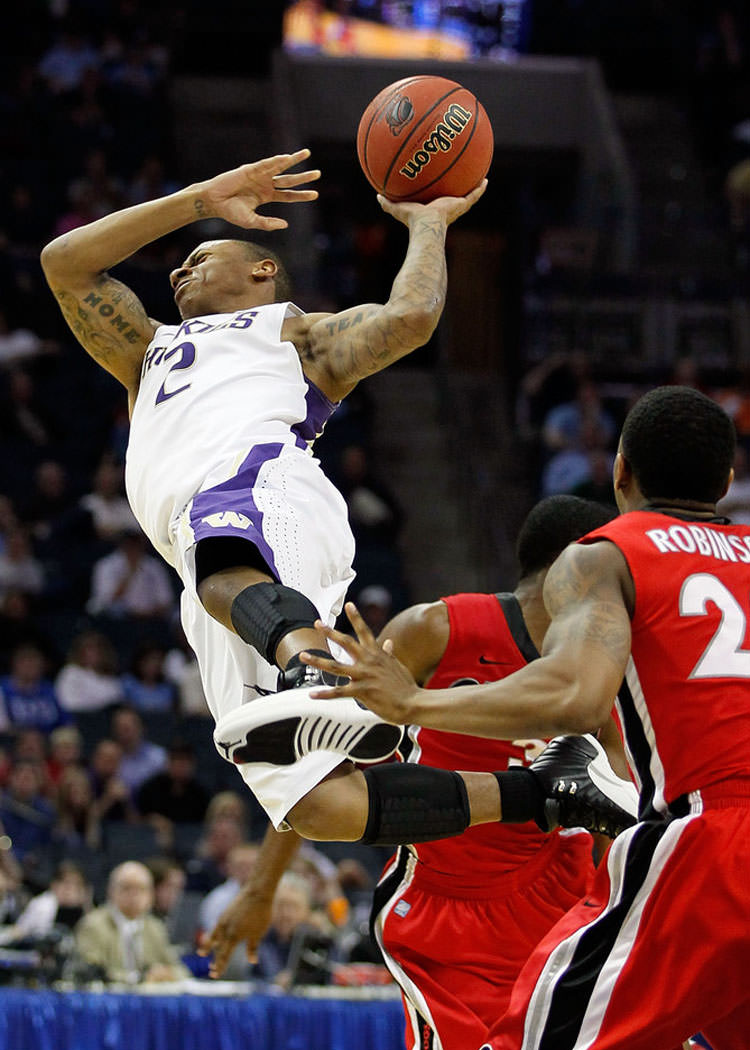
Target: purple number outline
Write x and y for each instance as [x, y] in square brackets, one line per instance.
[187, 359]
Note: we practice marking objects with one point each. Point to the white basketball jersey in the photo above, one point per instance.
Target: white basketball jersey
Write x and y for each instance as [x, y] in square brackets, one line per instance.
[210, 389]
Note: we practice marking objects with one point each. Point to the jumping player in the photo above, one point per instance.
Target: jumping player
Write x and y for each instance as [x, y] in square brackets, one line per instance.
[658, 949]
[224, 409]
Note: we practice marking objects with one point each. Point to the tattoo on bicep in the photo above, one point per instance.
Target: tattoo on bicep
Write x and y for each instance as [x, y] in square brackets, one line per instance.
[582, 605]
[104, 319]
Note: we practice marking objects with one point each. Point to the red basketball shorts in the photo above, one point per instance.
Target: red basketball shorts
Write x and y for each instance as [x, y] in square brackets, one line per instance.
[657, 951]
[456, 956]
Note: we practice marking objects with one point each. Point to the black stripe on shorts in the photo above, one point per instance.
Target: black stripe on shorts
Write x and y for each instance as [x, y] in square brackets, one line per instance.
[575, 985]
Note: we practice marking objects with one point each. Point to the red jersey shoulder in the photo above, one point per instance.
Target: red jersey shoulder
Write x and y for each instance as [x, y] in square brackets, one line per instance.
[488, 640]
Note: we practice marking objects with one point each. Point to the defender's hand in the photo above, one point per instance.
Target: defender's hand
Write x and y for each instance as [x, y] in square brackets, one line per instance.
[246, 919]
[375, 677]
[235, 195]
[446, 208]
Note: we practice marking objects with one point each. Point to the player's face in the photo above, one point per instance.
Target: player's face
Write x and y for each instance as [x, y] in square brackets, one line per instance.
[215, 278]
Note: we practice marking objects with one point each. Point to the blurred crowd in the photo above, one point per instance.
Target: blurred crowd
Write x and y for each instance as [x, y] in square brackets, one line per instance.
[569, 417]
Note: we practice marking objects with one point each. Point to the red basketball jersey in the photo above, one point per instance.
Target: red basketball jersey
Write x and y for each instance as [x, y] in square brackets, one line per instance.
[685, 713]
[488, 640]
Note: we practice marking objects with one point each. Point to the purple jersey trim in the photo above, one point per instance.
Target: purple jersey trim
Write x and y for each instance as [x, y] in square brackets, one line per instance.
[230, 510]
[319, 411]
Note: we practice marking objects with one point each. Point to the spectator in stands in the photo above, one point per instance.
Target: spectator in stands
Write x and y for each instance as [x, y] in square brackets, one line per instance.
[19, 569]
[571, 467]
[65, 752]
[122, 938]
[169, 889]
[77, 822]
[227, 804]
[174, 796]
[106, 505]
[27, 697]
[130, 582]
[64, 903]
[145, 686]
[113, 799]
[141, 758]
[375, 604]
[20, 344]
[181, 668]
[736, 503]
[24, 423]
[30, 745]
[291, 914]
[63, 65]
[150, 181]
[240, 864]
[25, 814]
[48, 501]
[8, 520]
[88, 681]
[598, 485]
[209, 865]
[19, 626]
[12, 896]
[565, 425]
[374, 514]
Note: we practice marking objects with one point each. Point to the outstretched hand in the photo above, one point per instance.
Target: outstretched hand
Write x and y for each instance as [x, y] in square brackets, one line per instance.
[375, 677]
[235, 195]
[247, 919]
[447, 208]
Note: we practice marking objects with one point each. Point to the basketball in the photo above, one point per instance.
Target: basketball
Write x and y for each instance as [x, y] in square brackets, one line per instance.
[424, 137]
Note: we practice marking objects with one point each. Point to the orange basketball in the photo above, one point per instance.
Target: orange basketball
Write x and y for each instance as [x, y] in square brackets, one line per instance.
[424, 137]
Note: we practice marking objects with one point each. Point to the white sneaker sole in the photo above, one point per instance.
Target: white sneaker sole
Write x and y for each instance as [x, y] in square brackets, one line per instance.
[282, 728]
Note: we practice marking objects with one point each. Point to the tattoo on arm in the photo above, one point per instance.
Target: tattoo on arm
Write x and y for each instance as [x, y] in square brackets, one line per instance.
[585, 604]
[368, 339]
[110, 323]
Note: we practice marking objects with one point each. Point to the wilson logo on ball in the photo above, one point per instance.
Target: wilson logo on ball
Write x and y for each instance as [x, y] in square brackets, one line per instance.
[440, 139]
[398, 114]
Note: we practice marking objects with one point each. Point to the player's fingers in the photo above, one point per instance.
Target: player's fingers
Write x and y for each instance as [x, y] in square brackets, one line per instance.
[476, 193]
[334, 692]
[347, 643]
[364, 634]
[280, 161]
[294, 196]
[332, 666]
[269, 222]
[294, 178]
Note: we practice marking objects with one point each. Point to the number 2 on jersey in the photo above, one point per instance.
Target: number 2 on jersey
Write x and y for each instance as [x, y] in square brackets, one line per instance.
[724, 656]
[185, 360]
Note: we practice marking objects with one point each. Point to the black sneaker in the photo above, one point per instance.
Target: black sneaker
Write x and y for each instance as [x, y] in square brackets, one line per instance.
[297, 675]
[582, 789]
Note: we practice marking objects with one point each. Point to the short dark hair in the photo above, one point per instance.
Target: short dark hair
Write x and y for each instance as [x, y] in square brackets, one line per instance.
[679, 444]
[554, 523]
[282, 282]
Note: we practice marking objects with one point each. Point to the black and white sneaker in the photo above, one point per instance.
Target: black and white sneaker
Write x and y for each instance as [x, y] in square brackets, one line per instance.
[581, 788]
[282, 728]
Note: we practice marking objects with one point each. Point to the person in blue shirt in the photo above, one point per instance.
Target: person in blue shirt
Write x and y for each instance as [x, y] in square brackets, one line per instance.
[27, 697]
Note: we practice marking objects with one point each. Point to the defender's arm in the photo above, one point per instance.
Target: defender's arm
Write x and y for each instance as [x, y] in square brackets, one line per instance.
[569, 689]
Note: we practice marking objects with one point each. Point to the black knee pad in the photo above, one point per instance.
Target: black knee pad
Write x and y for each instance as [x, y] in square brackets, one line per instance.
[264, 612]
[410, 803]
